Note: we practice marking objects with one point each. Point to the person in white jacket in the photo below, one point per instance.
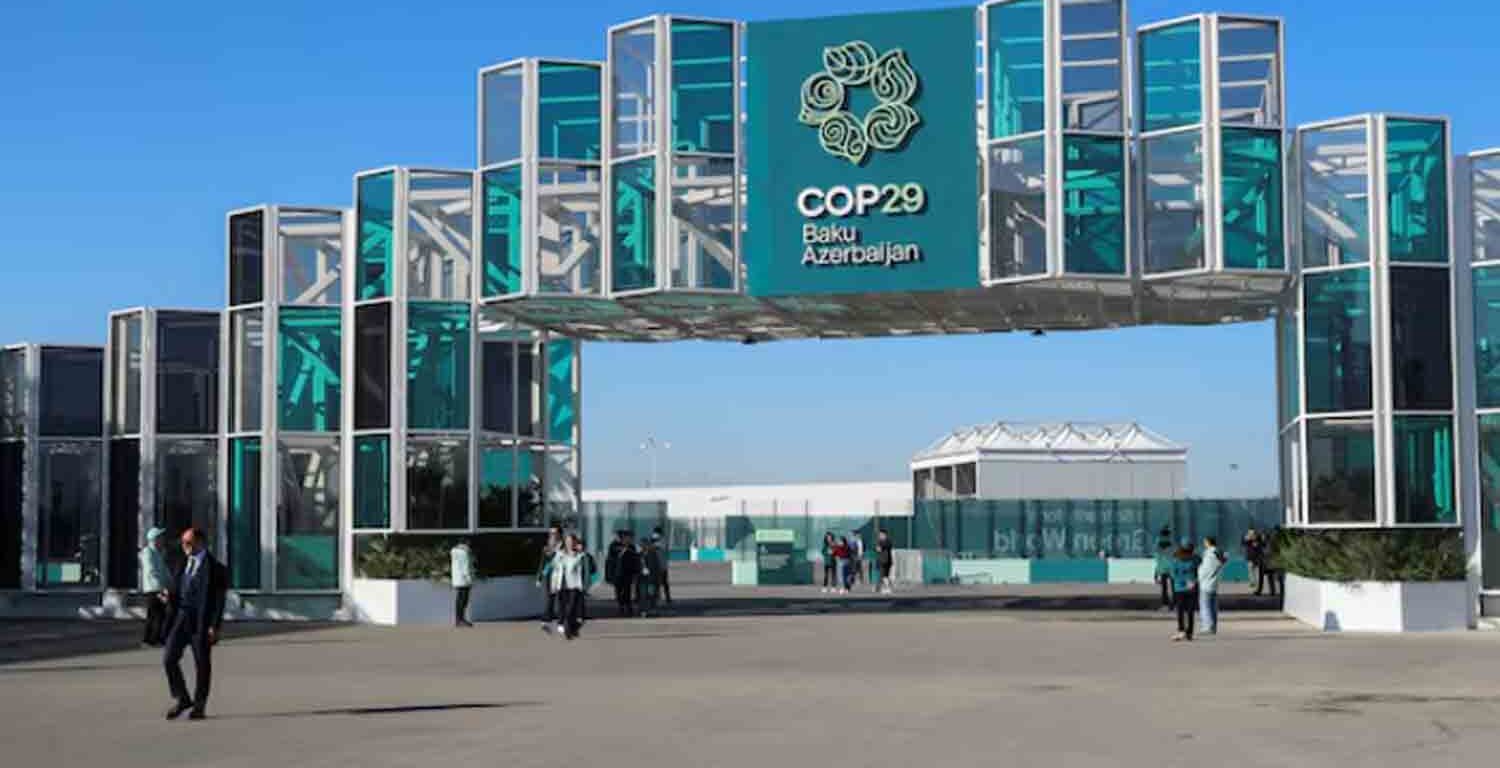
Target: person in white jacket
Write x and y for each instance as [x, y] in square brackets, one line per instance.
[570, 575]
[1210, 569]
[461, 563]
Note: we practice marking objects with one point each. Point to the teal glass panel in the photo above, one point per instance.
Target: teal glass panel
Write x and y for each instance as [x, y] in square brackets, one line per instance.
[568, 111]
[562, 396]
[502, 240]
[307, 384]
[437, 366]
[1487, 336]
[70, 475]
[307, 520]
[1424, 470]
[503, 111]
[375, 214]
[1288, 360]
[372, 481]
[1093, 65]
[1249, 59]
[244, 513]
[1252, 199]
[1421, 339]
[1017, 62]
[1170, 76]
[1173, 165]
[1489, 494]
[1337, 340]
[530, 507]
[1335, 165]
[1093, 205]
[1484, 180]
[437, 484]
[497, 485]
[1340, 471]
[1018, 209]
[633, 244]
[632, 88]
[1416, 163]
[703, 97]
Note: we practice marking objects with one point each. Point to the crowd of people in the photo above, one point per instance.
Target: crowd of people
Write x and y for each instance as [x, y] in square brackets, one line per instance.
[638, 573]
[844, 562]
[1189, 579]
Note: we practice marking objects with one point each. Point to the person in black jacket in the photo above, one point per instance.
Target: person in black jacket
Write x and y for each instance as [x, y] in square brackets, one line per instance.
[197, 595]
[627, 568]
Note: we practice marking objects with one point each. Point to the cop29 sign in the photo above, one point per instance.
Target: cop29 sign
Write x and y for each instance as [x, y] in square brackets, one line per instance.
[862, 150]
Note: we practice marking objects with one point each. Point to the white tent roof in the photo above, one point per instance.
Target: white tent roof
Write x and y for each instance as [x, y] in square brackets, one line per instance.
[1062, 441]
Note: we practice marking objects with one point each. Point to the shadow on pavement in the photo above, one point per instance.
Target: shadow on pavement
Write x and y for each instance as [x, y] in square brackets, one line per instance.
[400, 709]
[25, 640]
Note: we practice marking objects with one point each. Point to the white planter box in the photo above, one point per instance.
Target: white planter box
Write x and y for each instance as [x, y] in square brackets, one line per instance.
[419, 601]
[1378, 606]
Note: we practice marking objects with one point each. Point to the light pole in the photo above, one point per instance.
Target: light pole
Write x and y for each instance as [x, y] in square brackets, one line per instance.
[650, 447]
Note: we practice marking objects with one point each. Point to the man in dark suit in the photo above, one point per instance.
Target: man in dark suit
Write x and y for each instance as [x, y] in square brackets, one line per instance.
[197, 594]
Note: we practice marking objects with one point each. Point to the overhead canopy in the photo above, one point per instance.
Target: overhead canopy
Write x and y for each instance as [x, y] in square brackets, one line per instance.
[1053, 442]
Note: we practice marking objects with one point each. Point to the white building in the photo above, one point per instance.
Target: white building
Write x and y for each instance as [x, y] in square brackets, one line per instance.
[1062, 460]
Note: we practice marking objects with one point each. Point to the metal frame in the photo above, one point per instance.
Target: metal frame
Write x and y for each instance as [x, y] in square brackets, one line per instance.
[1470, 413]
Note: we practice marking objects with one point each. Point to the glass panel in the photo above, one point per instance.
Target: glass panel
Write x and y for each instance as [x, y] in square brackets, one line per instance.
[1416, 172]
[1173, 166]
[12, 392]
[529, 390]
[703, 97]
[1170, 76]
[437, 372]
[1337, 340]
[965, 479]
[439, 235]
[498, 485]
[568, 229]
[68, 483]
[187, 489]
[187, 373]
[1424, 470]
[1092, 66]
[244, 513]
[633, 248]
[503, 110]
[307, 514]
[703, 223]
[1093, 205]
[246, 254]
[1487, 336]
[73, 391]
[125, 370]
[124, 513]
[437, 484]
[560, 479]
[1485, 183]
[375, 214]
[1017, 98]
[502, 231]
[1250, 72]
[1018, 209]
[1252, 199]
[568, 111]
[562, 396]
[1421, 359]
[312, 253]
[1335, 195]
[1341, 471]
[372, 366]
[529, 497]
[307, 384]
[498, 385]
[1291, 474]
[632, 88]
[1489, 512]
[247, 339]
[372, 481]
[12, 469]
[1289, 385]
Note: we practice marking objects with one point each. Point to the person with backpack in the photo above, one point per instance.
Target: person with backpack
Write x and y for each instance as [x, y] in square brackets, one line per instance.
[1210, 569]
[1185, 590]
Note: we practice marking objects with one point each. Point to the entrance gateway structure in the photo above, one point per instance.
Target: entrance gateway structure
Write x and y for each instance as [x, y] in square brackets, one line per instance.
[409, 366]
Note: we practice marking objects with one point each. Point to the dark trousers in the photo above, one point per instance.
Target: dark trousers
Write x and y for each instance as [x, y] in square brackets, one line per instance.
[624, 596]
[666, 587]
[1166, 590]
[460, 605]
[182, 635]
[571, 601]
[549, 614]
[828, 571]
[1187, 608]
[156, 620]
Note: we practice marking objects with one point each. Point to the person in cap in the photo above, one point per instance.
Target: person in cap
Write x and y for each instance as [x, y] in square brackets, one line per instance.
[154, 579]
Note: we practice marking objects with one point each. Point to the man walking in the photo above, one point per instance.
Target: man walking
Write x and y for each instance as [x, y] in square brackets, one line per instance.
[197, 602]
[666, 565]
[461, 567]
[154, 579]
[1209, 571]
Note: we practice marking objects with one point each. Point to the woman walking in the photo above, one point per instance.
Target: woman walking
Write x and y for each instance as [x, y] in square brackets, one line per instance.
[569, 578]
[884, 559]
[1185, 590]
[828, 562]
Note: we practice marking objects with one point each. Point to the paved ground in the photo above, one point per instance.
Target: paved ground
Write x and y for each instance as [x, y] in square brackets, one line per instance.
[924, 680]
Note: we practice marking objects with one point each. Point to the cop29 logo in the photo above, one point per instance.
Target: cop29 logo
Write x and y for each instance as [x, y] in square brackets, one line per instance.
[825, 101]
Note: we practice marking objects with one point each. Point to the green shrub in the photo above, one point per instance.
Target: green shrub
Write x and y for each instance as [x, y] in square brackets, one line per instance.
[425, 556]
[1371, 555]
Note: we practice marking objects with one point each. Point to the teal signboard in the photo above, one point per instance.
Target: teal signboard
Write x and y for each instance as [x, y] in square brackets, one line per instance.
[862, 148]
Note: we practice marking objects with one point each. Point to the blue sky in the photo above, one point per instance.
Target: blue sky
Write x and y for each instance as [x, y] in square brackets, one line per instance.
[126, 131]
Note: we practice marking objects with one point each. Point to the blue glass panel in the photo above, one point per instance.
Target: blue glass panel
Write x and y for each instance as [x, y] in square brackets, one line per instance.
[308, 376]
[703, 97]
[1170, 76]
[633, 253]
[568, 111]
[562, 403]
[437, 366]
[502, 239]
[1017, 63]
[1416, 159]
[375, 213]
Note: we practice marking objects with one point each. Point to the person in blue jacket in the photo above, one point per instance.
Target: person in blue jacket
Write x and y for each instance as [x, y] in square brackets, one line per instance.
[1185, 589]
